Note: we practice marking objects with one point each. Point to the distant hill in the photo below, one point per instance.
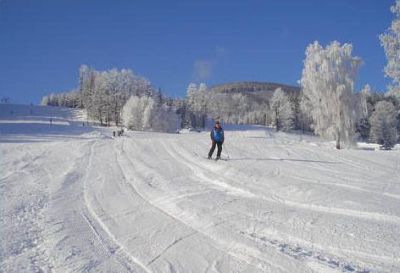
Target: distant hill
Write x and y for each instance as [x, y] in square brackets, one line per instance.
[260, 90]
[245, 87]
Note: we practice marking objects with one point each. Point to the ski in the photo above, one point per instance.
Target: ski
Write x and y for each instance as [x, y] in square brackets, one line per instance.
[215, 159]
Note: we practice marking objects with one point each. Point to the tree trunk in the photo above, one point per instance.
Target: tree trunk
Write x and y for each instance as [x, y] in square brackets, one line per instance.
[338, 140]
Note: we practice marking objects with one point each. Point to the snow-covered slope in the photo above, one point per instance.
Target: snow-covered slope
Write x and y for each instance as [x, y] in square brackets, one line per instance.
[73, 199]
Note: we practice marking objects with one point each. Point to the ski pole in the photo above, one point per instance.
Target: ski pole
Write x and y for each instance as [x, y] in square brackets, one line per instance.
[226, 151]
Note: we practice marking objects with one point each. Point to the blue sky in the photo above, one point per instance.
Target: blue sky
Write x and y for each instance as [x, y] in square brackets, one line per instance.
[43, 42]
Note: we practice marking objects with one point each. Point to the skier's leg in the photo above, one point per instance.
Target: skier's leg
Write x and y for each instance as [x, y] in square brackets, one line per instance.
[212, 149]
[219, 149]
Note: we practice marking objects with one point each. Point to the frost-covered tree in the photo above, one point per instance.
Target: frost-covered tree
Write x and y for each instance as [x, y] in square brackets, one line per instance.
[390, 40]
[295, 102]
[365, 94]
[201, 106]
[103, 93]
[86, 87]
[305, 118]
[132, 113]
[383, 125]
[328, 85]
[158, 97]
[45, 100]
[361, 104]
[69, 99]
[244, 103]
[197, 103]
[191, 102]
[183, 112]
[282, 112]
[143, 113]
[164, 119]
[148, 105]
[191, 92]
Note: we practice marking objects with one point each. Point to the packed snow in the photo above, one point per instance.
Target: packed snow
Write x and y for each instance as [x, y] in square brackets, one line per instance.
[76, 199]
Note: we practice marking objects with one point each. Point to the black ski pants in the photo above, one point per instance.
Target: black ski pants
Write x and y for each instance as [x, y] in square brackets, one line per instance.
[215, 143]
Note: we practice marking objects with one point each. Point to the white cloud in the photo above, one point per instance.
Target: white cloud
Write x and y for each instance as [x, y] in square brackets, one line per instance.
[203, 68]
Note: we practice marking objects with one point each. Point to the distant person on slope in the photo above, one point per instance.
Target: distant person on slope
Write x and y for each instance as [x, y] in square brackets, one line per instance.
[217, 138]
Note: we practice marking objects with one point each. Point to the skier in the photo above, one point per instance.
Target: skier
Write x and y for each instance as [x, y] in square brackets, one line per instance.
[217, 138]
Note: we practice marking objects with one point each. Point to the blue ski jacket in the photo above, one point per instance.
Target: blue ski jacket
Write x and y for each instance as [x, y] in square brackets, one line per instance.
[217, 134]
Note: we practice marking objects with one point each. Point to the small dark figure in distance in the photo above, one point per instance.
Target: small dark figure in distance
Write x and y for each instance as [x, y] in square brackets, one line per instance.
[113, 133]
[217, 138]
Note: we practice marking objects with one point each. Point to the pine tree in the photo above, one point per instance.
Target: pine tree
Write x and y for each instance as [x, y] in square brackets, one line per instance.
[197, 104]
[282, 112]
[383, 125]
[363, 126]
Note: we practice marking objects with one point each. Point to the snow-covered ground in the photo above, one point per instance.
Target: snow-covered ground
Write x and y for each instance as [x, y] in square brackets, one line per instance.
[73, 199]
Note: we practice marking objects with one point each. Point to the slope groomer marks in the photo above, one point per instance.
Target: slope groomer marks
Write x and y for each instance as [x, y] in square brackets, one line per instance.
[74, 199]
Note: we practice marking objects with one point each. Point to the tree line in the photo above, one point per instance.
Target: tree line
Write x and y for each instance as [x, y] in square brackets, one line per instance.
[108, 96]
[326, 105]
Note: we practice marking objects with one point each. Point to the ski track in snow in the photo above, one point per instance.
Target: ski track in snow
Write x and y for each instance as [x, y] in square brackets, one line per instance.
[76, 200]
[295, 250]
[168, 208]
[347, 212]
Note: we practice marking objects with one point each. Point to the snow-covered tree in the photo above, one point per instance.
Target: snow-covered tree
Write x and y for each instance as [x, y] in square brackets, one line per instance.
[197, 103]
[132, 114]
[295, 102]
[183, 111]
[103, 93]
[164, 119]
[143, 113]
[305, 117]
[282, 112]
[390, 40]
[201, 109]
[328, 84]
[383, 125]
[191, 102]
[191, 94]
[365, 94]
[45, 100]
[158, 97]
[361, 104]
[148, 105]
[86, 87]
[67, 99]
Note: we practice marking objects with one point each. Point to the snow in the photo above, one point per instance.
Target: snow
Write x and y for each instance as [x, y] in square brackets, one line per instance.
[74, 199]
